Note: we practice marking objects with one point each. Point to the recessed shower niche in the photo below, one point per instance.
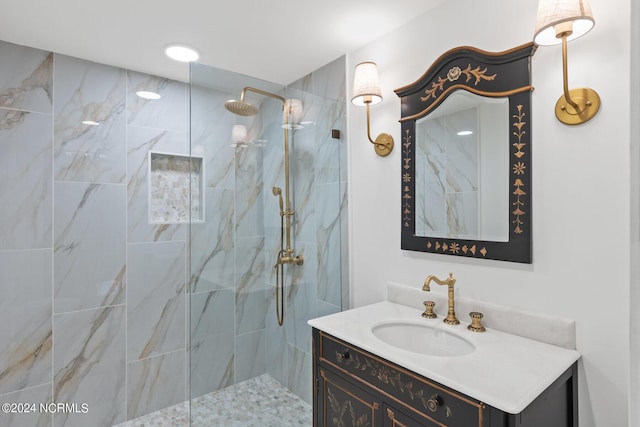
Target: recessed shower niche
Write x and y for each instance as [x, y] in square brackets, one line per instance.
[176, 188]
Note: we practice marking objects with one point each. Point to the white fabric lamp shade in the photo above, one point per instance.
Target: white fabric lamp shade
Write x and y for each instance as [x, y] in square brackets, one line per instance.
[366, 86]
[292, 113]
[558, 16]
[239, 134]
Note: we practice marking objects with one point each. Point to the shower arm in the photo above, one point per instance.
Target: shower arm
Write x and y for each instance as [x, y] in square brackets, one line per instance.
[261, 92]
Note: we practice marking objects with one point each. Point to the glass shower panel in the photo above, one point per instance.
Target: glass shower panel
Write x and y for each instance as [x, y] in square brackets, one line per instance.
[237, 346]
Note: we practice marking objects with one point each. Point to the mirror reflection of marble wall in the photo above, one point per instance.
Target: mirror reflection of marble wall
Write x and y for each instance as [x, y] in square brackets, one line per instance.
[461, 166]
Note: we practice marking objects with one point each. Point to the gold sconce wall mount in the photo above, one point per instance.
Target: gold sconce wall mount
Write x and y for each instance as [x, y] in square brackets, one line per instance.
[560, 21]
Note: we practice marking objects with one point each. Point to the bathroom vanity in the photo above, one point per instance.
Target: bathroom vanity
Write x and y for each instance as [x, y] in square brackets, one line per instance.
[364, 378]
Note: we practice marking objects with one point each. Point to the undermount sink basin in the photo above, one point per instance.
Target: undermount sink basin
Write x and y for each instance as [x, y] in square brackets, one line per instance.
[423, 339]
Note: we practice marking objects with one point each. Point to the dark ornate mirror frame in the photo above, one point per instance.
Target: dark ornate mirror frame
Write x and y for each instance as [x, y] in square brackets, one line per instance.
[491, 74]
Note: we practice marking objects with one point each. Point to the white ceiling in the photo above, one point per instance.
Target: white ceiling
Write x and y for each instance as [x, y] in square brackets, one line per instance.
[276, 40]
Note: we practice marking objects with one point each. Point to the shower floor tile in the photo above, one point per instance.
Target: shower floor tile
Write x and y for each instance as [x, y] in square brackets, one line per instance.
[258, 402]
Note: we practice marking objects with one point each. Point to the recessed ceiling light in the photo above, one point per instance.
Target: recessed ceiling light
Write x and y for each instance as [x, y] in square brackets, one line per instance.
[90, 123]
[181, 53]
[148, 94]
[464, 133]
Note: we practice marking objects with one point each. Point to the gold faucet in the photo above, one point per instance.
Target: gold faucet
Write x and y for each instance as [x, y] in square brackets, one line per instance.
[450, 281]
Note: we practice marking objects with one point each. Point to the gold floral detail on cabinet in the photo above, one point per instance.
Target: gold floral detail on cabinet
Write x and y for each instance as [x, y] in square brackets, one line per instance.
[339, 411]
[453, 75]
[519, 168]
[406, 178]
[389, 376]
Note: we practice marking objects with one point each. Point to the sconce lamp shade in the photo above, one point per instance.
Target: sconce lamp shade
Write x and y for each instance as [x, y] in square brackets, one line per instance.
[366, 86]
[292, 114]
[239, 134]
[557, 17]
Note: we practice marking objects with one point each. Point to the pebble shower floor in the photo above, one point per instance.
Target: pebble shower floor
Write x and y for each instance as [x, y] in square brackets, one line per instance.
[258, 402]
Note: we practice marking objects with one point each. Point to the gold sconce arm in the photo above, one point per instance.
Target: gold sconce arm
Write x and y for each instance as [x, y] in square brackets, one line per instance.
[575, 106]
[383, 142]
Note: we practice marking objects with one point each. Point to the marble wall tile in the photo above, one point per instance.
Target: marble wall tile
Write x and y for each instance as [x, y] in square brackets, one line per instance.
[431, 200]
[25, 319]
[212, 246]
[329, 81]
[249, 192]
[155, 299]
[211, 126]
[301, 297]
[276, 343]
[26, 184]
[33, 395]
[250, 355]
[328, 240]
[462, 215]
[155, 383]
[171, 111]
[90, 246]
[344, 245]
[89, 366]
[430, 132]
[212, 313]
[212, 363]
[325, 309]
[250, 285]
[140, 141]
[328, 156]
[300, 373]
[26, 78]
[89, 91]
[303, 184]
[462, 151]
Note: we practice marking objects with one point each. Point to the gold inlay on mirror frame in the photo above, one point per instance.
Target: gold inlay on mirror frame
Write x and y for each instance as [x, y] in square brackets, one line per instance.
[454, 74]
[519, 169]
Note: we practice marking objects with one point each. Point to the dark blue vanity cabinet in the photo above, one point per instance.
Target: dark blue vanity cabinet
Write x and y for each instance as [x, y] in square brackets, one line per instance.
[353, 387]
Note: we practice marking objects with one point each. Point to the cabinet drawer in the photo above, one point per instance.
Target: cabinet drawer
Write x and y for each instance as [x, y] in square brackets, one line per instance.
[403, 388]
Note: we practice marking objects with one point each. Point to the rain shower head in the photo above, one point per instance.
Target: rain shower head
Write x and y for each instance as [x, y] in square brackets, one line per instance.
[244, 108]
[241, 108]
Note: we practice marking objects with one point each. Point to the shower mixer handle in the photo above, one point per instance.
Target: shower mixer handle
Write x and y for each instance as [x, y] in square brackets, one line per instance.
[286, 257]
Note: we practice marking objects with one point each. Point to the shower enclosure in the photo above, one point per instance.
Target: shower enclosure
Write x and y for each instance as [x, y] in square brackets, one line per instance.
[138, 241]
[267, 244]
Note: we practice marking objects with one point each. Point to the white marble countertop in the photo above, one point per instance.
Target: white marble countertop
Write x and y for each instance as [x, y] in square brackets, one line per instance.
[505, 371]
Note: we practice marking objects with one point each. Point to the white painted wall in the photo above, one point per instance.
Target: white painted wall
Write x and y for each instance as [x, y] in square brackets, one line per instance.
[634, 84]
[581, 184]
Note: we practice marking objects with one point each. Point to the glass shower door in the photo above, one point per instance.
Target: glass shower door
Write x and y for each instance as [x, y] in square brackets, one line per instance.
[240, 356]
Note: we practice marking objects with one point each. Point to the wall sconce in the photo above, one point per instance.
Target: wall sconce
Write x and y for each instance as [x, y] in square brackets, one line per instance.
[560, 21]
[366, 91]
[292, 114]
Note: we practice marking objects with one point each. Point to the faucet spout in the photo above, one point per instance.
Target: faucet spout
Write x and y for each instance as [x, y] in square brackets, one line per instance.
[449, 282]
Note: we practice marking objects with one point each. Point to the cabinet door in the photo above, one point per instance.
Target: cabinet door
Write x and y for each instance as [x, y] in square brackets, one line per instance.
[395, 418]
[342, 404]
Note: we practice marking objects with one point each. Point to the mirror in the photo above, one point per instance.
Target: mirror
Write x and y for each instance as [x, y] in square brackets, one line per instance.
[466, 156]
[462, 165]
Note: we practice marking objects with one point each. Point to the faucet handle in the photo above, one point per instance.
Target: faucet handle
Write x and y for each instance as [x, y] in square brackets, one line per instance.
[428, 310]
[476, 325]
